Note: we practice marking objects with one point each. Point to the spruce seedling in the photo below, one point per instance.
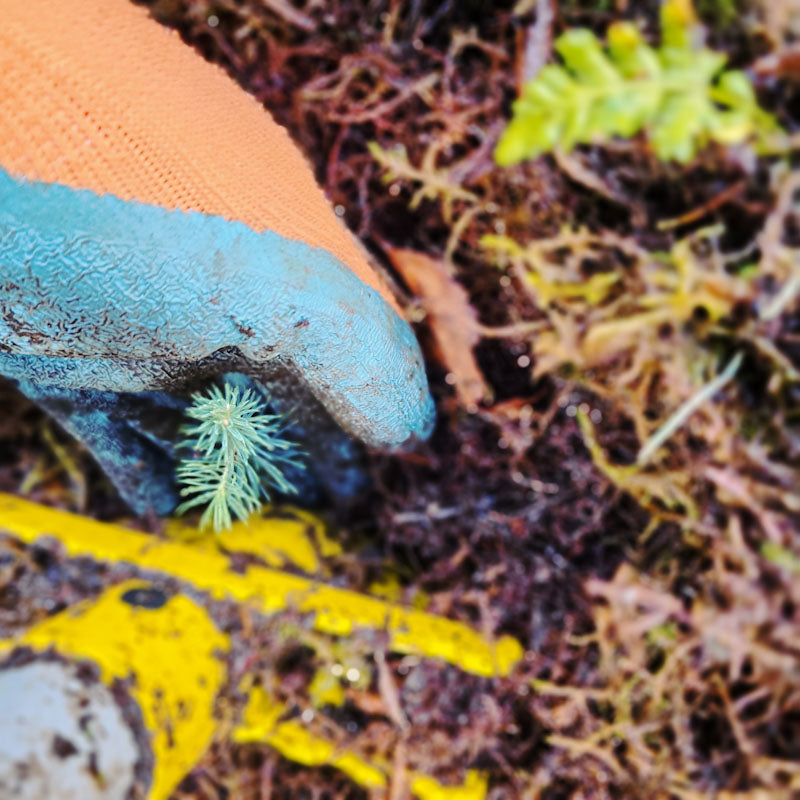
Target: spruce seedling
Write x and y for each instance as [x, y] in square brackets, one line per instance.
[238, 454]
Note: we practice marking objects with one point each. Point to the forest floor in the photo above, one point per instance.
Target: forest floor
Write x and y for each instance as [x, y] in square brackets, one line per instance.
[656, 590]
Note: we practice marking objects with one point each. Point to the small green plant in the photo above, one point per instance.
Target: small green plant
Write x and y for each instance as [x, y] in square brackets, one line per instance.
[237, 455]
[679, 94]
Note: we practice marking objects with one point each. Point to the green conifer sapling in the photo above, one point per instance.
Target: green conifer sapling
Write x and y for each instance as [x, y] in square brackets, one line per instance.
[238, 454]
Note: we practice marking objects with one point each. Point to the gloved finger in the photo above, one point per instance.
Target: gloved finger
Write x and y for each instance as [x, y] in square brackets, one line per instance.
[128, 435]
[120, 296]
[94, 96]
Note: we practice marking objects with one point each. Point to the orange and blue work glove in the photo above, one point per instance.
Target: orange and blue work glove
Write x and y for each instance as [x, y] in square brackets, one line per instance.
[158, 229]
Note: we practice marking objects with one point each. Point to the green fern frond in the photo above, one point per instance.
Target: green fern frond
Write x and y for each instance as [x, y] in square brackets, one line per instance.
[678, 93]
[238, 453]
